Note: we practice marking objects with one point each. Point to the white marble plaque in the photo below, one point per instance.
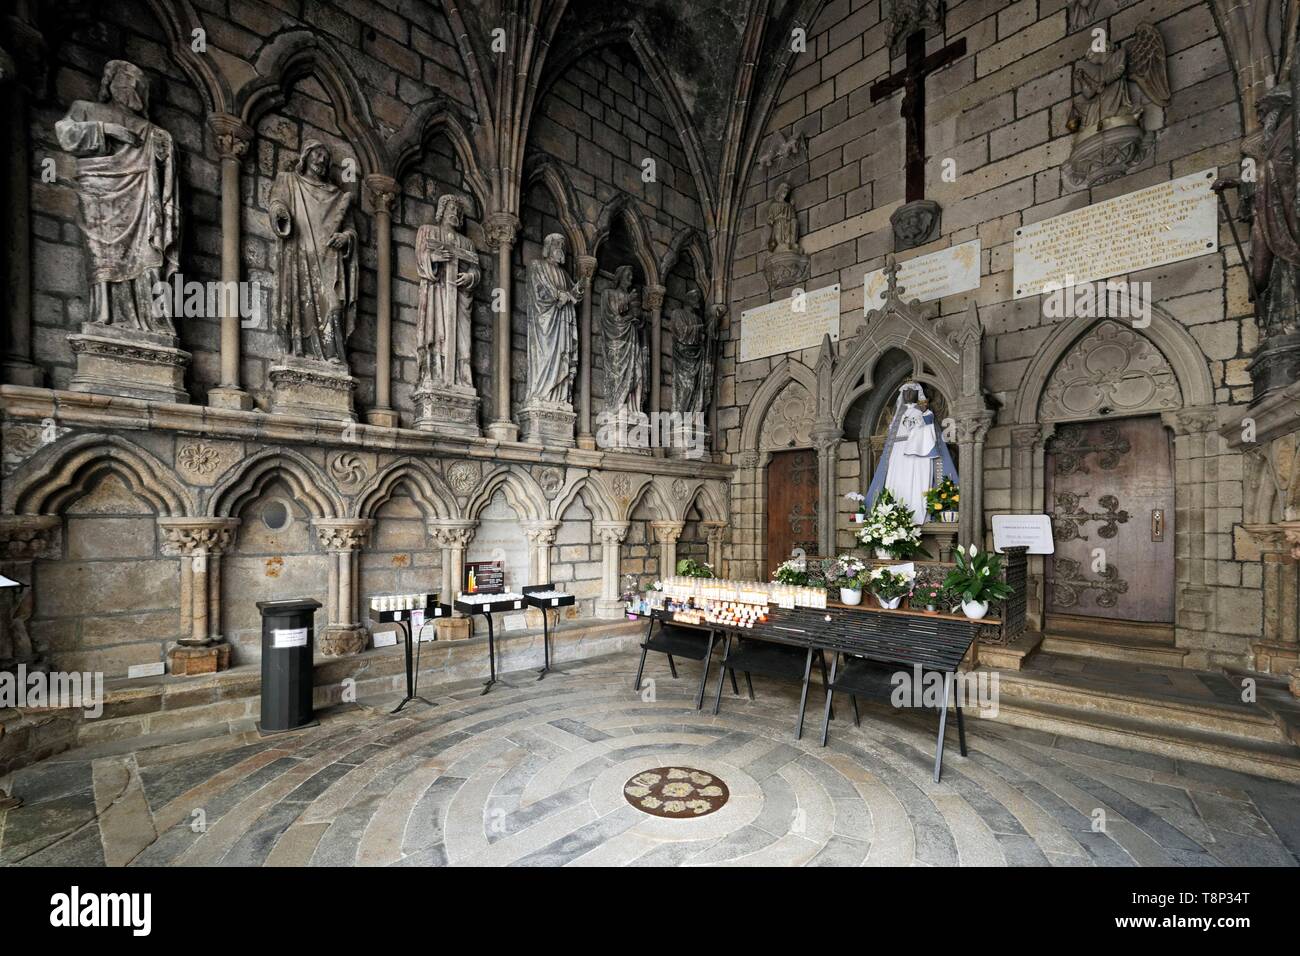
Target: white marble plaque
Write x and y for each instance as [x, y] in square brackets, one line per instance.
[1164, 223]
[928, 277]
[788, 325]
[1023, 531]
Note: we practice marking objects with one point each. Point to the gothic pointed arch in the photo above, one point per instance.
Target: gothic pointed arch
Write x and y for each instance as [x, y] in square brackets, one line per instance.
[61, 473]
[690, 243]
[704, 496]
[522, 493]
[427, 489]
[550, 175]
[651, 494]
[593, 495]
[245, 482]
[441, 116]
[180, 22]
[623, 208]
[300, 53]
[788, 370]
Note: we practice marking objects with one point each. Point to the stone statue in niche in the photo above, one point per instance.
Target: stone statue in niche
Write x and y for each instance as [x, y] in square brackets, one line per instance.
[786, 264]
[623, 323]
[316, 286]
[449, 272]
[131, 218]
[1108, 136]
[552, 298]
[693, 338]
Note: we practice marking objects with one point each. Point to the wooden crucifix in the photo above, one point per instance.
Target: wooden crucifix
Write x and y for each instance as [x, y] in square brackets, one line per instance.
[911, 80]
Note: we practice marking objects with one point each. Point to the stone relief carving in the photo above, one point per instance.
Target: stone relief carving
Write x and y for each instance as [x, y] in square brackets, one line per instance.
[202, 462]
[627, 356]
[789, 419]
[463, 477]
[1109, 139]
[550, 480]
[1111, 370]
[693, 341]
[908, 16]
[22, 440]
[348, 469]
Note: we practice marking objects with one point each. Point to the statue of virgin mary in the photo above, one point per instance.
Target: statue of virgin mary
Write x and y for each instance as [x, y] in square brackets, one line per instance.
[914, 458]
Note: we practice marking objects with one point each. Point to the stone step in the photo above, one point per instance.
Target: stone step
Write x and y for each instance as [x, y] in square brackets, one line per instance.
[1136, 650]
[1279, 761]
[1100, 628]
[1243, 723]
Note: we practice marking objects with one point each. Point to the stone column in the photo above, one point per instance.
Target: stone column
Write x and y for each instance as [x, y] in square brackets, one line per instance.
[343, 538]
[612, 534]
[23, 539]
[826, 438]
[453, 537]
[667, 533]
[714, 532]
[382, 190]
[199, 543]
[586, 274]
[29, 51]
[1027, 442]
[501, 230]
[232, 136]
[654, 301]
[971, 432]
[1194, 610]
[540, 535]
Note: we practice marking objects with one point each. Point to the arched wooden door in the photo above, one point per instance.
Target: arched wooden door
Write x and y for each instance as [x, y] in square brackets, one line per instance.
[792, 499]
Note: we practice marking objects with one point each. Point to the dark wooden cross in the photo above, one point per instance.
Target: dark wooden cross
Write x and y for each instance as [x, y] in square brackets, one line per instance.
[911, 80]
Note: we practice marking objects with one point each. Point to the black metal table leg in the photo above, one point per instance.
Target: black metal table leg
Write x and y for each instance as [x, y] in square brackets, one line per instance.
[492, 657]
[645, 649]
[704, 678]
[546, 648]
[821, 660]
[672, 666]
[749, 685]
[826, 718]
[412, 672]
[943, 722]
[803, 694]
[722, 675]
[961, 724]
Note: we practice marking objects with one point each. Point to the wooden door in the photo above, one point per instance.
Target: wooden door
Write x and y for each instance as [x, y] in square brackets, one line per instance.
[791, 504]
[1110, 492]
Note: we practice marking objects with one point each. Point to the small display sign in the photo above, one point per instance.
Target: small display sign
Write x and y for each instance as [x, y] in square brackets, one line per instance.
[515, 622]
[1023, 531]
[484, 577]
[289, 637]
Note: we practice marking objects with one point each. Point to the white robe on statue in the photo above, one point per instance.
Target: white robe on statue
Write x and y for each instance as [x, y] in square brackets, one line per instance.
[911, 466]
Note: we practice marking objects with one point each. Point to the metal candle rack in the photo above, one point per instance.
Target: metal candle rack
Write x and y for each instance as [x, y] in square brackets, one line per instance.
[431, 610]
[533, 594]
[505, 602]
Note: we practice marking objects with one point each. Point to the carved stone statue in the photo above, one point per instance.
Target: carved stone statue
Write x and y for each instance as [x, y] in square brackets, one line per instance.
[626, 355]
[782, 222]
[316, 269]
[449, 272]
[552, 346]
[693, 338]
[126, 180]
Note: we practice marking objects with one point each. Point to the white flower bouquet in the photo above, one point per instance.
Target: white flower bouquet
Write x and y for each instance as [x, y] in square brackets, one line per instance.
[889, 529]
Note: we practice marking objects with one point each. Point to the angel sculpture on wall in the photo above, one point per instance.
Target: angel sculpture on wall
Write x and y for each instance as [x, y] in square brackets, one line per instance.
[1102, 80]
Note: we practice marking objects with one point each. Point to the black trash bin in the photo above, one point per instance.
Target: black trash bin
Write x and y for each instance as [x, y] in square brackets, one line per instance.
[287, 641]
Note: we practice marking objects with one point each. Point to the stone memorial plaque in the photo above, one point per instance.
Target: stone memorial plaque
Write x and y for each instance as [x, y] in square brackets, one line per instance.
[1023, 531]
[1164, 223]
[788, 325]
[932, 276]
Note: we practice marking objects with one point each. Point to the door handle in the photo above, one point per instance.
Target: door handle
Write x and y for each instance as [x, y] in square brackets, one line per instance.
[1157, 524]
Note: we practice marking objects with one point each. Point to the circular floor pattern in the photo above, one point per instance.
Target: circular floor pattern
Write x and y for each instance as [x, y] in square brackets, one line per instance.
[676, 792]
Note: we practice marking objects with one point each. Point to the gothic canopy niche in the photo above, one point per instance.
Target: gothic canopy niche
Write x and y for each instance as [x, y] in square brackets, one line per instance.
[1112, 370]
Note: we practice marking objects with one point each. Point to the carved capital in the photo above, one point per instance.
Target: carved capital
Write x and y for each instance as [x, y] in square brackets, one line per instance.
[189, 537]
[343, 534]
[586, 269]
[667, 532]
[974, 429]
[23, 537]
[231, 135]
[451, 534]
[501, 229]
[1291, 530]
[540, 533]
[381, 192]
[1025, 436]
[611, 532]
[826, 435]
[654, 297]
[713, 530]
[1191, 421]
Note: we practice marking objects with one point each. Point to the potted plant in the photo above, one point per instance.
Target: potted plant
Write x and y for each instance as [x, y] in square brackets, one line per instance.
[977, 580]
[847, 572]
[793, 572]
[890, 585]
[889, 529]
[690, 568]
[941, 501]
[860, 500]
[933, 597]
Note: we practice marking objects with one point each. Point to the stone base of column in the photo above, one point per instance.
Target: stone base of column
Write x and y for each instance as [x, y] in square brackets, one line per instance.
[342, 640]
[312, 388]
[689, 444]
[609, 609]
[187, 660]
[383, 417]
[587, 442]
[549, 424]
[229, 396]
[130, 363]
[448, 411]
[502, 430]
[453, 629]
[22, 372]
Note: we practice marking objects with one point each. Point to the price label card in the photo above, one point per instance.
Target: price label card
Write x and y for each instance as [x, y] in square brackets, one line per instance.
[289, 637]
[555, 602]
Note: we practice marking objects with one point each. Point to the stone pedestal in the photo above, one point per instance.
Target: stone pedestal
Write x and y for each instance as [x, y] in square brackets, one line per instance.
[312, 388]
[549, 424]
[129, 362]
[383, 418]
[235, 398]
[689, 443]
[340, 640]
[448, 411]
[785, 269]
[186, 661]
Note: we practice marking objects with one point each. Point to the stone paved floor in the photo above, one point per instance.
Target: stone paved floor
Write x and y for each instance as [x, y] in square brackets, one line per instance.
[533, 774]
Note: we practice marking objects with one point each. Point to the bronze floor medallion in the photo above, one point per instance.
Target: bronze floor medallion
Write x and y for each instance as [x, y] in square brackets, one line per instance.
[676, 792]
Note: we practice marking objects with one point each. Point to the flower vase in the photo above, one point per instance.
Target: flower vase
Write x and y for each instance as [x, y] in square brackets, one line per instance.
[975, 610]
[851, 596]
[859, 517]
[948, 517]
[889, 604]
[883, 554]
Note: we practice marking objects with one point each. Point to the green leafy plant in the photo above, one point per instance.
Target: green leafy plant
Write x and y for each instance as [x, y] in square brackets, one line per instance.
[690, 568]
[888, 583]
[977, 576]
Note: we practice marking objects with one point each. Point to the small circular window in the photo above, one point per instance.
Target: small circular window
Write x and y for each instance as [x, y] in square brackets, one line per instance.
[277, 515]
